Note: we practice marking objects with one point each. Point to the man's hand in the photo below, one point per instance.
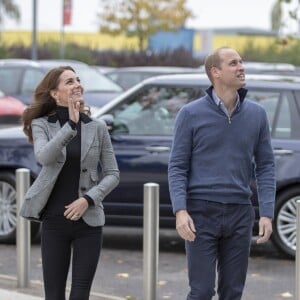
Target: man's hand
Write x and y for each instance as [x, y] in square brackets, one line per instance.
[185, 225]
[265, 230]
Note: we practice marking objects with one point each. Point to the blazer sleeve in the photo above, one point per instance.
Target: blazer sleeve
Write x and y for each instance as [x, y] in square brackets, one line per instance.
[49, 150]
[109, 166]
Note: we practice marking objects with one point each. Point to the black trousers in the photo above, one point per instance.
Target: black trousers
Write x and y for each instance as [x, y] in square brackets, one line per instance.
[62, 239]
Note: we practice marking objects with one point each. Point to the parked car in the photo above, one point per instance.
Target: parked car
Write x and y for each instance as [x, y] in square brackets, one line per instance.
[11, 110]
[141, 122]
[267, 68]
[130, 76]
[103, 69]
[19, 78]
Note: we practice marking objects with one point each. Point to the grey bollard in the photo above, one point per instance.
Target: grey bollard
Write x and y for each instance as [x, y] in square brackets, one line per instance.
[298, 252]
[150, 240]
[23, 230]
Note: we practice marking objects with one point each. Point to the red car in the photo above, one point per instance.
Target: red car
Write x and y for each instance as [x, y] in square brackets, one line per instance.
[11, 109]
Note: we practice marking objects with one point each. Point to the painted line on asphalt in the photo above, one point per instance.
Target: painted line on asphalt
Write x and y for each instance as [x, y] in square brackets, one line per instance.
[38, 282]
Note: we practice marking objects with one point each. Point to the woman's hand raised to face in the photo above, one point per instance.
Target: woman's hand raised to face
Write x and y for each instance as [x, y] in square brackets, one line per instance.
[74, 107]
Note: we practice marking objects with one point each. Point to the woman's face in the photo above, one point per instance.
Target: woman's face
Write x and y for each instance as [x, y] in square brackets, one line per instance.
[68, 89]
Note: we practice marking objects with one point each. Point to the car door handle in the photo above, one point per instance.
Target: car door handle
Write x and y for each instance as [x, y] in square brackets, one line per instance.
[157, 149]
[283, 152]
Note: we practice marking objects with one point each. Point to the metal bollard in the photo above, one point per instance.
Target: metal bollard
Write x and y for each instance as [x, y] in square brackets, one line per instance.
[150, 240]
[23, 230]
[298, 252]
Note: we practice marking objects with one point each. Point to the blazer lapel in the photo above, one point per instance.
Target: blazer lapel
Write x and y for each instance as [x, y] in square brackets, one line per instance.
[88, 131]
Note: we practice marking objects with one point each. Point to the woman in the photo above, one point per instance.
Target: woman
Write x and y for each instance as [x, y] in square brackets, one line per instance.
[68, 193]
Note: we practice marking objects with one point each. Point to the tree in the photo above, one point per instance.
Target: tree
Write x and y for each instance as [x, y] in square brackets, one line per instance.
[276, 17]
[9, 8]
[142, 18]
[277, 13]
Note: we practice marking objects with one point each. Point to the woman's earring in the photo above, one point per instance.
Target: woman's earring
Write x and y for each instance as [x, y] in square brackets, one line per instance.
[57, 101]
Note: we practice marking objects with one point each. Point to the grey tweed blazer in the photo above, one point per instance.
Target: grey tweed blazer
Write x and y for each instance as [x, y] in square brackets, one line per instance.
[50, 140]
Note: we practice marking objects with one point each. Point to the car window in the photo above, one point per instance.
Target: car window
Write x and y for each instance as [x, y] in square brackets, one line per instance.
[93, 81]
[283, 127]
[31, 79]
[278, 111]
[126, 79]
[152, 111]
[9, 80]
[268, 100]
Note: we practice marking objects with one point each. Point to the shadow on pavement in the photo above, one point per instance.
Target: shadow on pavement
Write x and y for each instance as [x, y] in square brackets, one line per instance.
[128, 238]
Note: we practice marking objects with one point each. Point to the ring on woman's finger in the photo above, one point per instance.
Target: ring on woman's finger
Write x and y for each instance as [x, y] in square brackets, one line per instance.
[77, 215]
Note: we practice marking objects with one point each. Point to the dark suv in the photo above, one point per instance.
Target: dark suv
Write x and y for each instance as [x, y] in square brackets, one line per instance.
[141, 122]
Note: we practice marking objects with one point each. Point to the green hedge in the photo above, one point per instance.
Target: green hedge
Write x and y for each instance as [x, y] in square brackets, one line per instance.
[283, 50]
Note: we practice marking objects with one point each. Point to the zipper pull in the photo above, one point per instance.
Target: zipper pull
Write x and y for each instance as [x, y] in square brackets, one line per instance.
[229, 120]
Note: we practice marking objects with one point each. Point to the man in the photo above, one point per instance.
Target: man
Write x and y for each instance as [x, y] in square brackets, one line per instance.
[218, 139]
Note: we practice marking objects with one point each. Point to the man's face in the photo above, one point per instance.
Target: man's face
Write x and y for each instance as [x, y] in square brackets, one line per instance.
[232, 71]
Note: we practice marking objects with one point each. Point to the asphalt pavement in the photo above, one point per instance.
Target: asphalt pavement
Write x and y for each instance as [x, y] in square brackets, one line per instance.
[119, 275]
[11, 295]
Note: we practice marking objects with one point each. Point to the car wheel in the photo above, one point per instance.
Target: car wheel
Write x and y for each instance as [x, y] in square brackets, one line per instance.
[8, 209]
[285, 219]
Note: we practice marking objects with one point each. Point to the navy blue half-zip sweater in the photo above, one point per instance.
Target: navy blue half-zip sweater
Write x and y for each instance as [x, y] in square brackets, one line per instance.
[212, 157]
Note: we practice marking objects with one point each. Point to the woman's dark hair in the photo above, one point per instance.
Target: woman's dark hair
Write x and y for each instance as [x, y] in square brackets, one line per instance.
[43, 104]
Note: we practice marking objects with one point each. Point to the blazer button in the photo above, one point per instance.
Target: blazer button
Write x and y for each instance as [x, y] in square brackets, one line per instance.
[83, 189]
[84, 170]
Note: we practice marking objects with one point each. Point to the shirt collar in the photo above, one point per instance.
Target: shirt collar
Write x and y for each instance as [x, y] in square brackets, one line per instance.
[219, 102]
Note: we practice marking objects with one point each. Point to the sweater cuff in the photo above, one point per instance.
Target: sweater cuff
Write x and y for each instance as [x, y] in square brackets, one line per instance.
[72, 124]
[89, 200]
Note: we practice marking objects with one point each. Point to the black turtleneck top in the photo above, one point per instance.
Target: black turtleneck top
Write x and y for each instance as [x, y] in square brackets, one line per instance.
[66, 187]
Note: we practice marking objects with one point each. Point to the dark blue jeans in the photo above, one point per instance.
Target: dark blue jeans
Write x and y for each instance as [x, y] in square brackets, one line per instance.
[223, 239]
[59, 237]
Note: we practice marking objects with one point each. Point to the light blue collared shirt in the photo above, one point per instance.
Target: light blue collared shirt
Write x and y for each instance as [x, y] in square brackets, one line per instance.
[221, 104]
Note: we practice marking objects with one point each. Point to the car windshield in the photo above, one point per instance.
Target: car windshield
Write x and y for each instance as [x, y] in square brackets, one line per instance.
[152, 111]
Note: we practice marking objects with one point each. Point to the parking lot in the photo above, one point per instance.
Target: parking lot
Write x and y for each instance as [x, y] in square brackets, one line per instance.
[271, 276]
[120, 271]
